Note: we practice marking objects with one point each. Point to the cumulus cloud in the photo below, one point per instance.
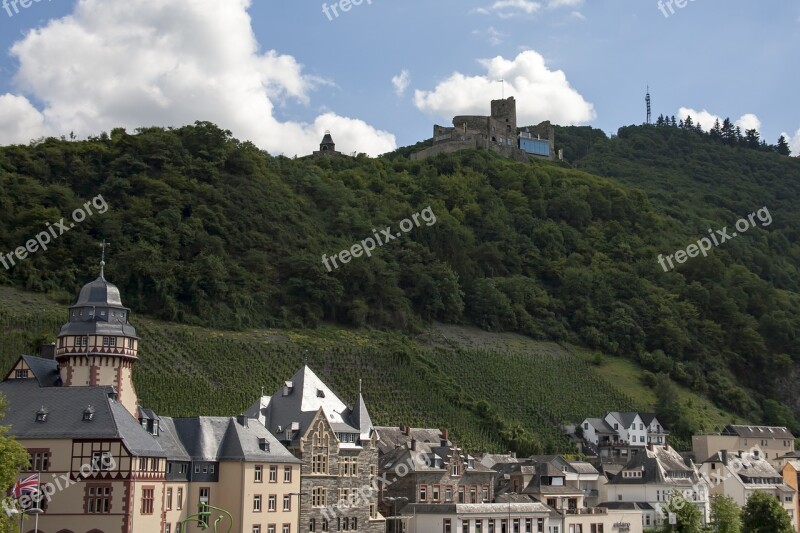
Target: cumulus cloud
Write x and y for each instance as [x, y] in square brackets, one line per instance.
[401, 82]
[706, 119]
[541, 94]
[133, 63]
[794, 142]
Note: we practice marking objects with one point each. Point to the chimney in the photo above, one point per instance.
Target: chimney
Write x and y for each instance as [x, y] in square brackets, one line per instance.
[650, 446]
[414, 445]
[48, 350]
[725, 457]
[445, 434]
[242, 419]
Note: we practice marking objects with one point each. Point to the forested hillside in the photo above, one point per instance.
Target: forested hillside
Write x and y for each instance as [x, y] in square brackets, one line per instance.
[209, 231]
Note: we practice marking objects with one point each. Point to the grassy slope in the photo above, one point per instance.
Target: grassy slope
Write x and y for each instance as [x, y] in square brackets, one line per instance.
[437, 379]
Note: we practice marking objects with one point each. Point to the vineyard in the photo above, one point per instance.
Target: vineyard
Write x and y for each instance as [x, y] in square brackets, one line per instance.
[487, 397]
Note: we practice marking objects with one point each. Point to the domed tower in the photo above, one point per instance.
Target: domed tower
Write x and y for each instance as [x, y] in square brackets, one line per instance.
[98, 345]
[327, 144]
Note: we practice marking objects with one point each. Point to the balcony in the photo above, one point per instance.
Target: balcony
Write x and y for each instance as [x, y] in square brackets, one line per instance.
[587, 511]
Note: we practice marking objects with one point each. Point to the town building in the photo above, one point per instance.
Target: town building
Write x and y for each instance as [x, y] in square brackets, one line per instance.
[434, 471]
[496, 132]
[741, 474]
[338, 449]
[791, 476]
[651, 478]
[618, 436]
[109, 465]
[772, 442]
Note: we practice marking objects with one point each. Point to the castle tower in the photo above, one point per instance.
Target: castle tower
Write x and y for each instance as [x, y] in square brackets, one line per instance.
[504, 116]
[327, 144]
[98, 346]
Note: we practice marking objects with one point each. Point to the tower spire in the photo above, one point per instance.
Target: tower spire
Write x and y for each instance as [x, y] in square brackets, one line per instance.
[103, 246]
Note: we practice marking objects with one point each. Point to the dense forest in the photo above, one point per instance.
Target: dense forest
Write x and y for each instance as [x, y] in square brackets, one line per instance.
[207, 230]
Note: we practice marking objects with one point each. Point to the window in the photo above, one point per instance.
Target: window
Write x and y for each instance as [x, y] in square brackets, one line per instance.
[287, 474]
[641, 439]
[257, 472]
[423, 493]
[167, 528]
[465, 526]
[271, 528]
[179, 501]
[205, 499]
[257, 503]
[528, 525]
[39, 460]
[373, 511]
[446, 526]
[448, 493]
[286, 528]
[461, 494]
[21, 374]
[272, 503]
[256, 528]
[436, 493]
[597, 528]
[324, 524]
[196, 469]
[147, 500]
[490, 526]
[102, 461]
[319, 463]
[319, 498]
[169, 499]
[312, 525]
[273, 474]
[348, 467]
[473, 495]
[354, 524]
[98, 499]
[154, 464]
[287, 503]
[485, 493]
[82, 341]
[109, 342]
[454, 471]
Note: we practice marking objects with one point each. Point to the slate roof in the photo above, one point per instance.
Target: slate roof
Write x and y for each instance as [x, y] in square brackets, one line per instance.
[99, 293]
[44, 370]
[391, 437]
[627, 506]
[758, 432]
[307, 393]
[582, 467]
[474, 508]
[65, 406]
[601, 426]
[625, 418]
[661, 465]
[210, 438]
[327, 139]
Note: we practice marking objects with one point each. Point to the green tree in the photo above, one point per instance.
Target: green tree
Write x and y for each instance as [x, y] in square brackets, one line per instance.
[687, 515]
[783, 146]
[764, 514]
[12, 458]
[726, 515]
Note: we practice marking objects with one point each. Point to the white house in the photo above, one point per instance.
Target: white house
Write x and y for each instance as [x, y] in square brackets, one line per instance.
[651, 478]
[624, 429]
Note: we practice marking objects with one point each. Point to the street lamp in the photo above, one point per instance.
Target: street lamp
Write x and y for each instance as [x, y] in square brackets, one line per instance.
[299, 498]
[394, 500]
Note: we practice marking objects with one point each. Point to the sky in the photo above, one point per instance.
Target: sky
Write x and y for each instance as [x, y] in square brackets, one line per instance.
[379, 74]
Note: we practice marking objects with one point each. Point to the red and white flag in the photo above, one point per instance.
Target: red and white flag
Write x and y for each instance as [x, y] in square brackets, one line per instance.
[29, 485]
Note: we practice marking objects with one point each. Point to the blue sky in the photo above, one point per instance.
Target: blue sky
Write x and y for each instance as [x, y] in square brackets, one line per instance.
[149, 62]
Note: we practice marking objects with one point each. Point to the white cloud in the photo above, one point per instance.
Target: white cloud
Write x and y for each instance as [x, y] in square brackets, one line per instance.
[513, 8]
[707, 119]
[541, 94]
[401, 82]
[794, 142]
[494, 36]
[133, 63]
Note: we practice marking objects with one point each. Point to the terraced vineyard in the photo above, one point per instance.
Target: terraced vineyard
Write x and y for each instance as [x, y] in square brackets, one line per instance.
[481, 394]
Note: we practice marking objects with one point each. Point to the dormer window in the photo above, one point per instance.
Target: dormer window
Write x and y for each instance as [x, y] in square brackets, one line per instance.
[263, 445]
[320, 393]
[41, 414]
[88, 414]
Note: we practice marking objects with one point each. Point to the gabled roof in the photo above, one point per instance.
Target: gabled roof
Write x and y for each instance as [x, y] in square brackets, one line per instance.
[660, 465]
[582, 467]
[295, 405]
[44, 370]
[65, 407]
[391, 437]
[625, 418]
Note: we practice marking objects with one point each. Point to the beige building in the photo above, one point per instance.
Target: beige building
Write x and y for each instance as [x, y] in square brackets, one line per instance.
[791, 476]
[105, 464]
[773, 442]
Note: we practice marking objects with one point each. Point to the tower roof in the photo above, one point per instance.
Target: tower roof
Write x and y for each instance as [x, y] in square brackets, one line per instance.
[327, 140]
[99, 293]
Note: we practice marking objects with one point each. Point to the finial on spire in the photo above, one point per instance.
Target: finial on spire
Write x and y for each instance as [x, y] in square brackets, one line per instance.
[359, 385]
[103, 245]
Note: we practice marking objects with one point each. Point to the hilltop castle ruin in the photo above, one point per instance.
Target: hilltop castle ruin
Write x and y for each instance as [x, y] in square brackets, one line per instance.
[497, 132]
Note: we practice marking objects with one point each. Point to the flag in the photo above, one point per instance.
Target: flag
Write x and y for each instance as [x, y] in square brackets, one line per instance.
[29, 485]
